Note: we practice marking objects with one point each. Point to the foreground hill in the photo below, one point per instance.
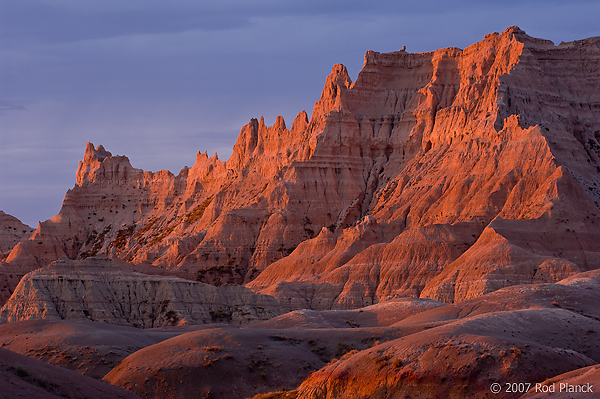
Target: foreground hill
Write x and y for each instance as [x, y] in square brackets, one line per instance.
[441, 175]
[516, 334]
[87, 347]
[23, 377]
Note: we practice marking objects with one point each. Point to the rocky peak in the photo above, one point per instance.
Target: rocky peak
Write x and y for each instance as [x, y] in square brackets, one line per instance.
[12, 230]
[301, 122]
[95, 154]
[514, 31]
[331, 96]
[100, 166]
[434, 146]
[267, 149]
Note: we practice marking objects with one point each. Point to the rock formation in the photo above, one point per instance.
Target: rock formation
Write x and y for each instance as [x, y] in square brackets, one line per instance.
[235, 363]
[87, 347]
[100, 290]
[23, 377]
[516, 334]
[441, 175]
[11, 232]
[577, 384]
[489, 175]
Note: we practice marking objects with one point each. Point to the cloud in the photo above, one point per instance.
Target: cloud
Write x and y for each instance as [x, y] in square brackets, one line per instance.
[6, 105]
[64, 22]
[158, 80]
[57, 21]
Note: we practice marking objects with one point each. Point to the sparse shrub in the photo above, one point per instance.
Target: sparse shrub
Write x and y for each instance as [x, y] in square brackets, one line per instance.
[209, 361]
[172, 317]
[146, 228]
[383, 358]
[369, 341]
[283, 337]
[214, 349]
[348, 354]
[22, 372]
[352, 323]
[220, 316]
[282, 394]
[342, 349]
[198, 211]
[122, 237]
[321, 352]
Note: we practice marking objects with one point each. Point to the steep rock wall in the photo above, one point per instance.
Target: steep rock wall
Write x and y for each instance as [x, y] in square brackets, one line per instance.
[99, 289]
[408, 168]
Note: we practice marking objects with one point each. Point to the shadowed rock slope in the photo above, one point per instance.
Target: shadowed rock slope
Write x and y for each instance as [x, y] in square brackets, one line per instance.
[577, 384]
[441, 175]
[517, 334]
[236, 363]
[23, 377]
[11, 232]
[87, 347]
[99, 289]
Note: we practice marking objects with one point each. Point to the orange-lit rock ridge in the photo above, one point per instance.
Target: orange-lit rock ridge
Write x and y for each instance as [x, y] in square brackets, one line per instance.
[443, 175]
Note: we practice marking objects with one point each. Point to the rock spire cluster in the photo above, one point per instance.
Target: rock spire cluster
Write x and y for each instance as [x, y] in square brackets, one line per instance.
[441, 175]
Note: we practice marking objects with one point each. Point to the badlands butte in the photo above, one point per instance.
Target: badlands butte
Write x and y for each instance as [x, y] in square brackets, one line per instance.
[432, 229]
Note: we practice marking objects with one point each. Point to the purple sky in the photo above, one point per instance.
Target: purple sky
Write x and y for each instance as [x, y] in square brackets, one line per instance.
[159, 80]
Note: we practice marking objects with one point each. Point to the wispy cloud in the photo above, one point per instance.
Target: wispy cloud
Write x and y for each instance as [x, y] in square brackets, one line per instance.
[6, 105]
[158, 81]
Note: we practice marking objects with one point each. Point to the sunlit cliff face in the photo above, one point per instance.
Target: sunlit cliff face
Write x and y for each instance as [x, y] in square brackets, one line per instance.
[430, 231]
[430, 176]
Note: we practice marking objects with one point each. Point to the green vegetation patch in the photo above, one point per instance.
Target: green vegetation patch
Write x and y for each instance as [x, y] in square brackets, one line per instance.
[122, 237]
[198, 211]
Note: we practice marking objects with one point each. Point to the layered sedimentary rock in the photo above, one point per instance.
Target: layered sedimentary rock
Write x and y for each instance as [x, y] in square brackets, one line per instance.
[527, 333]
[12, 230]
[443, 175]
[101, 290]
[491, 179]
[459, 360]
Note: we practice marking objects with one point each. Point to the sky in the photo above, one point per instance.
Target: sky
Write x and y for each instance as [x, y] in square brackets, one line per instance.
[160, 80]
